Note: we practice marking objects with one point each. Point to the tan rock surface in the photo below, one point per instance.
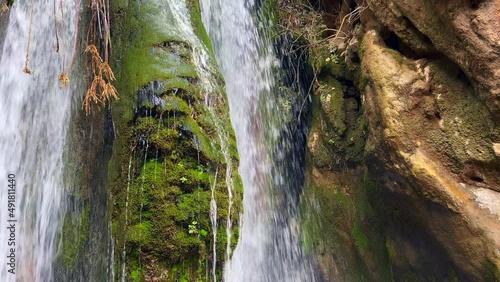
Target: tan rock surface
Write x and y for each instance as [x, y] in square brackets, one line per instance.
[430, 143]
[467, 32]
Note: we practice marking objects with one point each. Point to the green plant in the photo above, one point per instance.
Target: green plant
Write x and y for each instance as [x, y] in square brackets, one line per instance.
[183, 179]
[200, 168]
[334, 58]
[136, 274]
[360, 238]
[193, 228]
[363, 83]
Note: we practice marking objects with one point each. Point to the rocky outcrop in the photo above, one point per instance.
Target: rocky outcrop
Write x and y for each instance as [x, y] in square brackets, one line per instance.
[418, 81]
[4, 19]
[430, 143]
[464, 31]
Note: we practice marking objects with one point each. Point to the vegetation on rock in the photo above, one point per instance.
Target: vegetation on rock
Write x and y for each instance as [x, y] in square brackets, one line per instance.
[413, 115]
[170, 152]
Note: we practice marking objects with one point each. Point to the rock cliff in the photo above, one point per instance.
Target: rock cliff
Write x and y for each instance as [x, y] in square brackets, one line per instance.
[406, 93]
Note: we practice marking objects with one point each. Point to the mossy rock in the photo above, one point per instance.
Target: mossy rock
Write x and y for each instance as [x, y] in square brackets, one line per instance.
[74, 235]
[169, 145]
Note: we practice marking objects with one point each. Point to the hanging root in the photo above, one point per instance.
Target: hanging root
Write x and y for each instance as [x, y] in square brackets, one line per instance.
[101, 89]
[26, 68]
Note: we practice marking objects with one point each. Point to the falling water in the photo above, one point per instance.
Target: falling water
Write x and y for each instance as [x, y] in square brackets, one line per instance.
[213, 219]
[124, 253]
[34, 114]
[207, 75]
[269, 247]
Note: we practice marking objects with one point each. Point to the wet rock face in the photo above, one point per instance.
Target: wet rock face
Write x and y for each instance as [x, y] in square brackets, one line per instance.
[4, 18]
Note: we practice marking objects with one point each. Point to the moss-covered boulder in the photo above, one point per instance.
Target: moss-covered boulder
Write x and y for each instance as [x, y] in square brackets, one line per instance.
[173, 175]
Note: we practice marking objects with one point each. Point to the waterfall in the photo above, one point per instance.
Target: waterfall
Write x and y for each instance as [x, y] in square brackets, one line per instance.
[124, 253]
[269, 247]
[213, 219]
[34, 115]
[207, 74]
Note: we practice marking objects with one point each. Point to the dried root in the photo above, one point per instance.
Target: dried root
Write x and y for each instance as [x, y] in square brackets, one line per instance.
[101, 89]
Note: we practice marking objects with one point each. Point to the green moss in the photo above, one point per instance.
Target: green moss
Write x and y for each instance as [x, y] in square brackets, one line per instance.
[268, 14]
[359, 237]
[411, 277]
[338, 129]
[137, 275]
[466, 126]
[212, 150]
[177, 105]
[332, 103]
[396, 55]
[139, 233]
[74, 235]
[174, 151]
[363, 83]
[198, 27]
[492, 272]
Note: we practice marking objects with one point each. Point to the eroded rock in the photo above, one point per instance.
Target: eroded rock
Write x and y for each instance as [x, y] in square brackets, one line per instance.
[465, 31]
[430, 145]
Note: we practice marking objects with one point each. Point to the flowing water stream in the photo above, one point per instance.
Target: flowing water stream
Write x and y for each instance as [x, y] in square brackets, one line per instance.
[269, 248]
[34, 115]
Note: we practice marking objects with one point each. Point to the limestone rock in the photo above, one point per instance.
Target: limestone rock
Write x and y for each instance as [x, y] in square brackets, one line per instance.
[465, 31]
[430, 145]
